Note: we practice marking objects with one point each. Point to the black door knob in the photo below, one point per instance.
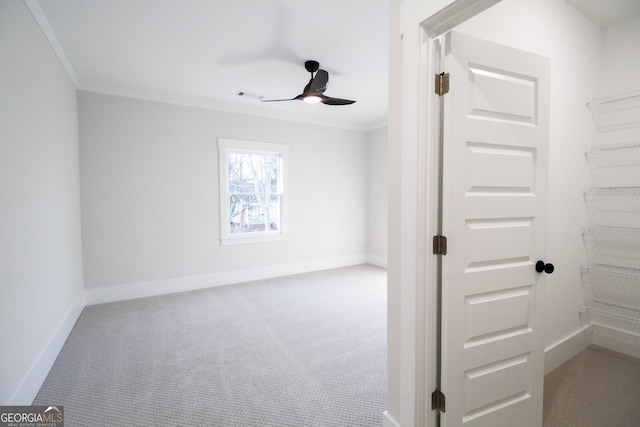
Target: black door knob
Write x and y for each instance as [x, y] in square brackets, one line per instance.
[547, 268]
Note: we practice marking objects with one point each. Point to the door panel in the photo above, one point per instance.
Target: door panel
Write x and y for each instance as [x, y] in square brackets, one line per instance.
[517, 102]
[500, 168]
[494, 216]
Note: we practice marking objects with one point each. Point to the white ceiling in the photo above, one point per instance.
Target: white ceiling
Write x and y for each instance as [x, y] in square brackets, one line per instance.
[607, 12]
[202, 52]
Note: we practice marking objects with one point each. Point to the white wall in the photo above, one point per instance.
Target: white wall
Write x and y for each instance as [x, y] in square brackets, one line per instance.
[150, 207]
[573, 44]
[40, 247]
[620, 63]
[377, 203]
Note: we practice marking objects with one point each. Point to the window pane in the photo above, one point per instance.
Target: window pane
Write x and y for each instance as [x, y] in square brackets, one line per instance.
[253, 173]
[254, 213]
[252, 191]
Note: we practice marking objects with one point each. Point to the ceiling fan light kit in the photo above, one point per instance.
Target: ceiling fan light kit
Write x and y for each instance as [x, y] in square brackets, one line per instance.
[313, 92]
[312, 99]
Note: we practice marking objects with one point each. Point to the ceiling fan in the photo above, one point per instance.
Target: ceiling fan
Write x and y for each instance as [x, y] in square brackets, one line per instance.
[314, 90]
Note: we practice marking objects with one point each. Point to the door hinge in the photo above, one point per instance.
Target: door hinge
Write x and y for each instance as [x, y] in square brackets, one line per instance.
[439, 245]
[442, 83]
[438, 401]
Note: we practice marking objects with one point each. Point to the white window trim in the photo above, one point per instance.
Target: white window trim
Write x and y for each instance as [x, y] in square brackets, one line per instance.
[225, 145]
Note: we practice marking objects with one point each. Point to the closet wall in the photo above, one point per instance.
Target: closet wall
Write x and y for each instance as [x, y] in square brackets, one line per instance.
[612, 240]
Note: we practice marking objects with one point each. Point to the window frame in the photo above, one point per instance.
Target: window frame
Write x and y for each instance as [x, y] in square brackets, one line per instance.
[228, 145]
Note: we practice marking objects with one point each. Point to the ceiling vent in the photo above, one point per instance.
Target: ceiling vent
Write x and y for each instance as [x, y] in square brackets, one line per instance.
[249, 95]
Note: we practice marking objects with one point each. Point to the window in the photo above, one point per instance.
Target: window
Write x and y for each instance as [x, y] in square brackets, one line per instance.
[253, 198]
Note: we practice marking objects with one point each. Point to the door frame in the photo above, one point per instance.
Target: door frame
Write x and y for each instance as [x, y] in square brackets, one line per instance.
[413, 200]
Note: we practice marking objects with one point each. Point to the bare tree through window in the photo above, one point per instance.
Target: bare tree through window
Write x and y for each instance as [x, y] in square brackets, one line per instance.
[253, 192]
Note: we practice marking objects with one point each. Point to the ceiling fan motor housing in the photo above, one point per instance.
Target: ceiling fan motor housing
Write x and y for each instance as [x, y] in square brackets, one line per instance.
[312, 66]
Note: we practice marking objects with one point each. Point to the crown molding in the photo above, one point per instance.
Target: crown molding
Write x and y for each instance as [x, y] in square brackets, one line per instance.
[47, 31]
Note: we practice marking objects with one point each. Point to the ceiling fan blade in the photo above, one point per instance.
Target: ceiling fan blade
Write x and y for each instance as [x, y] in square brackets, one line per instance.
[320, 81]
[336, 101]
[308, 86]
[314, 90]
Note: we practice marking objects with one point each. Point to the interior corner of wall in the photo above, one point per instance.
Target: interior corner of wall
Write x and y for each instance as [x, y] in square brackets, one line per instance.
[37, 373]
[566, 348]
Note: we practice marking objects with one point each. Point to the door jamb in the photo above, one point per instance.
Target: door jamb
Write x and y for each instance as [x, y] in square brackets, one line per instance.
[417, 130]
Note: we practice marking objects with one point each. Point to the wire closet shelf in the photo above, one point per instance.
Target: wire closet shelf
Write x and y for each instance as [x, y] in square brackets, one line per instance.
[612, 242]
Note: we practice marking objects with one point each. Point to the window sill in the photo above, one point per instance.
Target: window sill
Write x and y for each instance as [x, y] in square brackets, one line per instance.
[253, 239]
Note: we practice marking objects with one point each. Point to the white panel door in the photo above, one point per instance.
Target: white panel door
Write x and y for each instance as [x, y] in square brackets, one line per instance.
[494, 214]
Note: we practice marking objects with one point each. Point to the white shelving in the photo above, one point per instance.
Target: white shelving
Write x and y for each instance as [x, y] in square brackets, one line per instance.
[615, 286]
[614, 206]
[615, 317]
[612, 242]
[616, 110]
[615, 165]
[614, 247]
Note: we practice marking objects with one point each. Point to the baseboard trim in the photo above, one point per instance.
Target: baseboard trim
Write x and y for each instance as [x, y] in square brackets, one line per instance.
[568, 347]
[614, 339]
[189, 283]
[30, 385]
[388, 421]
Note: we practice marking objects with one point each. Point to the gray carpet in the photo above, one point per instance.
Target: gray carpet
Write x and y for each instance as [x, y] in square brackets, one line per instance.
[597, 388]
[304, 350]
